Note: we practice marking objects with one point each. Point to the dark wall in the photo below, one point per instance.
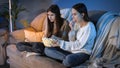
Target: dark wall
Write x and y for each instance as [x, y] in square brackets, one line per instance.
[33, 8]
[108, 5]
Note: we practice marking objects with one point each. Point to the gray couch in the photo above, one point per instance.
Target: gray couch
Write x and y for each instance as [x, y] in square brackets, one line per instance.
[3, 38]
[17, 59]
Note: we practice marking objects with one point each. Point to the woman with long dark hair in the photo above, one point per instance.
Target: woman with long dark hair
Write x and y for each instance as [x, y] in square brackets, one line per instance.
[55, 26]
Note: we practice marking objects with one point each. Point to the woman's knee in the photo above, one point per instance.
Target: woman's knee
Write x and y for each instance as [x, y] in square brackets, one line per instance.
[68, 61]
[48, 51]
[75, 59]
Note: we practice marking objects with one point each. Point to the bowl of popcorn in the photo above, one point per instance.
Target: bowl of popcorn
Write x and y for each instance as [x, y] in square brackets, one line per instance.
[48, 42]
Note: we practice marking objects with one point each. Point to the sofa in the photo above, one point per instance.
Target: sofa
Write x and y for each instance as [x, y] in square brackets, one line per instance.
[3, 38]
[18, 59]
[3, 43]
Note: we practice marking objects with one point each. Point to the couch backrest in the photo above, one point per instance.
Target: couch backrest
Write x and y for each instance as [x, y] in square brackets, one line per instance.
[93, 14]
[38, 21]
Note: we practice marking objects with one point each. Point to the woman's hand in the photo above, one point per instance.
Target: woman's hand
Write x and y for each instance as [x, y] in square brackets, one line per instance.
[71, 24]
[55, 43]
[49, 42]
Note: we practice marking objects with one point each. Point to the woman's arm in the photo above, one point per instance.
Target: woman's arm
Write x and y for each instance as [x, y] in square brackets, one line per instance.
[77, 44]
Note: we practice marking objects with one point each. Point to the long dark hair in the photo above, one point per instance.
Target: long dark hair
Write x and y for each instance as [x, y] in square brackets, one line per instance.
[81, 8]
[59, 21]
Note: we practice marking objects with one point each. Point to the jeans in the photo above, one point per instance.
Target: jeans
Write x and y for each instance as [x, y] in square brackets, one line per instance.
[67, 58]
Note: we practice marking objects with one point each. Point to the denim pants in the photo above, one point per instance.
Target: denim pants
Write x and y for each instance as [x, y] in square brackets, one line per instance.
[67, 58]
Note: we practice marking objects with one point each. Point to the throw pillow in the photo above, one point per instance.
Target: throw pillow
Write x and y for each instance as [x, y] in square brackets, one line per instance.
[38, 22]
[32, 36]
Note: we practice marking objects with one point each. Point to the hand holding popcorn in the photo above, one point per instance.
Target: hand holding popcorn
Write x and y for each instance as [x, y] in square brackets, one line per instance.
[48, 42]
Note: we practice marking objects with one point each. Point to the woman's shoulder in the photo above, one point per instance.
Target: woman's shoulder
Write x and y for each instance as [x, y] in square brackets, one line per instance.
[91, 24]
[92, 27]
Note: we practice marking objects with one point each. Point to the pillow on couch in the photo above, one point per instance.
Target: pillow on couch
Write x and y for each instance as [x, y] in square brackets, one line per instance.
[33, 36]
[38, 22]
[66, 13]
[18, 35]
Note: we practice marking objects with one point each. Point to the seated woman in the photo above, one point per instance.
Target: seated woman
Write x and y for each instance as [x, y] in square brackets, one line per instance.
[75, 52]
[55, 25]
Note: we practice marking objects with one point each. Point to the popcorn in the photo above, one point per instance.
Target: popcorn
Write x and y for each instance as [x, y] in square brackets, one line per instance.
[48, 42]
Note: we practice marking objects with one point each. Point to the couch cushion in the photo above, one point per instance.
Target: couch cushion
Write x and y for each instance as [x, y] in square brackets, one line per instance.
[66, 13]
[18, 35]
[19, 60]
[37, 23]
[33, 36]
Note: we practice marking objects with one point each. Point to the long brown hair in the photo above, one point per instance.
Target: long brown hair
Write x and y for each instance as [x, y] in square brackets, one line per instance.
[59, 21]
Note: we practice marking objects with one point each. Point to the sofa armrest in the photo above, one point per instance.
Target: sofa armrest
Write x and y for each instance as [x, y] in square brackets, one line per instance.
[19, 35]
[2, 32]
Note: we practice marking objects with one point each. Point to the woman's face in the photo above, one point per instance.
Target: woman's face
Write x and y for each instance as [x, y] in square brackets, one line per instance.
[51, 16]
[77, 17]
